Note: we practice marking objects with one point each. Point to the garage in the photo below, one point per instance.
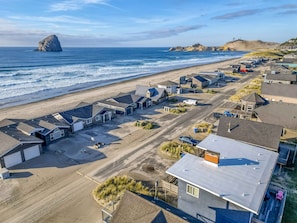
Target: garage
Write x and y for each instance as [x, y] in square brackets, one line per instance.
[13, 159]
[31, 152]
[77, 126]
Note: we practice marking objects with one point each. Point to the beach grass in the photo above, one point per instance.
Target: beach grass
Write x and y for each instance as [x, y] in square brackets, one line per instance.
[273, 54]
[254, 86]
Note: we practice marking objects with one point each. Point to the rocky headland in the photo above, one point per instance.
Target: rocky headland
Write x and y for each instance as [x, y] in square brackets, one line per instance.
[49, 44]
[236, 45]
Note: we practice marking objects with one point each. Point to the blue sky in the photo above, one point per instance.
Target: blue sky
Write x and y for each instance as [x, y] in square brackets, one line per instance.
[125, 23]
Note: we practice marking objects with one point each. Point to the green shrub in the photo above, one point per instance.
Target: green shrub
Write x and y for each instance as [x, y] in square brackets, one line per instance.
[174, 149]
[115, 186]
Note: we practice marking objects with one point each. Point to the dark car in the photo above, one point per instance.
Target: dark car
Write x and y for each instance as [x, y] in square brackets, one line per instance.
[188, 140]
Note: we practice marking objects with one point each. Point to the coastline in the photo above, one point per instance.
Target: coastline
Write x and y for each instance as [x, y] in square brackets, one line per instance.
[40, 106]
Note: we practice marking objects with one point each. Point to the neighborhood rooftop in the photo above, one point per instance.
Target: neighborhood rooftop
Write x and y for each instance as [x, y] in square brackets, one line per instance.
[142, 208]
[278, 113]
[256, 133]
[241, 177]
[284, 90]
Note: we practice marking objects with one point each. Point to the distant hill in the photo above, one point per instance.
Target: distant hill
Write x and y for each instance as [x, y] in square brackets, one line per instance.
[245, 45]
[291, 44]
[236, 45]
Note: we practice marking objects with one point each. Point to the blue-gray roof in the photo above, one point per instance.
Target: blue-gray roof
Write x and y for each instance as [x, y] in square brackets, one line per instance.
[242, 176]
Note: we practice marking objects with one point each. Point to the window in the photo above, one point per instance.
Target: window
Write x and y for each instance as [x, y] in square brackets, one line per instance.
[193, 191]
[89, 121]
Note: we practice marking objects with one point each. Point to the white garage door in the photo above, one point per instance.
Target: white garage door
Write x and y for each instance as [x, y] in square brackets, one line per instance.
[13, 159]
[31, 152]
[77, 126]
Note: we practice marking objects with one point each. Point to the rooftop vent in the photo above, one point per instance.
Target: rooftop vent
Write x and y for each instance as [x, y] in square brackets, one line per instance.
[212, 157]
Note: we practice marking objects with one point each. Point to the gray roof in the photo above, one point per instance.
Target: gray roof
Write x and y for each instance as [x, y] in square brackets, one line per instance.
[127, 98]
[82, 111]
[7, 143]
[255, 133]
[144, 209]
[284, 90]
[168, 83]
[255, 98]
[156, 93]
[242, 176]
[28, 129]
[278, 113]
[282, 77]
[200, 78]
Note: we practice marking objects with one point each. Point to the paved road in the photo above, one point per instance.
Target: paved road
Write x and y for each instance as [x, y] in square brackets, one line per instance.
[66, 198]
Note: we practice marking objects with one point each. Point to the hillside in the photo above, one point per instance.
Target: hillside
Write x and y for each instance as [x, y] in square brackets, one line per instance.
[289, 45]
[245, 45]
[236, 45]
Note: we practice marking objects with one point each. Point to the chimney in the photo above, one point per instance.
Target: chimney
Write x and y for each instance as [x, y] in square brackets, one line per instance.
[229, 127]
[212, 157]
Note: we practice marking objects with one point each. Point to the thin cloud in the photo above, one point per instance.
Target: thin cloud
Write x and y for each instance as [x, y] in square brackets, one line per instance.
[234, 15]
[58, 19]
[163, 33]
[72, 5]
[288, 12]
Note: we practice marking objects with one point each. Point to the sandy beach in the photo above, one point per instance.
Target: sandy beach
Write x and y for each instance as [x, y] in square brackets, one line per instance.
[68, 101]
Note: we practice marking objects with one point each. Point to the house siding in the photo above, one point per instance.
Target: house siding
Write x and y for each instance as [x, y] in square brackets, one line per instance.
[210, 208]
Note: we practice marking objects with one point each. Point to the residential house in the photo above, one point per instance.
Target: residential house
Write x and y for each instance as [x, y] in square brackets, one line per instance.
[260, 134]
[122, 104]
[279, 92]
[47, 128]
[280, 78]
[85, 115]
[251, 101]
[255, 133]
[170, 86]
[199, 81]
[138, 208]
[278, 113]
[227, 185]
[212, 77]
[278, 69]
[17, 147]
[154, 94]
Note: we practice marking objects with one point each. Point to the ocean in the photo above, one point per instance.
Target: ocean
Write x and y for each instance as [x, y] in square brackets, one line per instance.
[27, 75]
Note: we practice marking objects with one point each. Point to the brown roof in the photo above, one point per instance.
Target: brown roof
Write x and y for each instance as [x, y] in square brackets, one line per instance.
[134, 208]
[282, 77]
[254, 97]
[255, 133]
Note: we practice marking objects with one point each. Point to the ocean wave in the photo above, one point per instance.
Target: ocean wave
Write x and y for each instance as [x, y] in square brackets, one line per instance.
[93, 70]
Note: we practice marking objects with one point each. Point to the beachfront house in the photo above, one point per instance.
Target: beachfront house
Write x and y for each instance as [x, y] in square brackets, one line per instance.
[170, 86]
[84, 115]
[138, 208]
[230, 184]
[212, 77]
[17, 146]
[279, 92]
[251, 101]
[154, 94]
[199, 82]
[47, 128]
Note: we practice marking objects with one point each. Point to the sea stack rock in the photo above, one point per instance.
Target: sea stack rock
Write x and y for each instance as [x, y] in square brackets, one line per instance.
[50, 44]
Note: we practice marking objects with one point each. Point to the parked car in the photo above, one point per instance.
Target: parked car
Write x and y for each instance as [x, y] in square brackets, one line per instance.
[188, 139]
